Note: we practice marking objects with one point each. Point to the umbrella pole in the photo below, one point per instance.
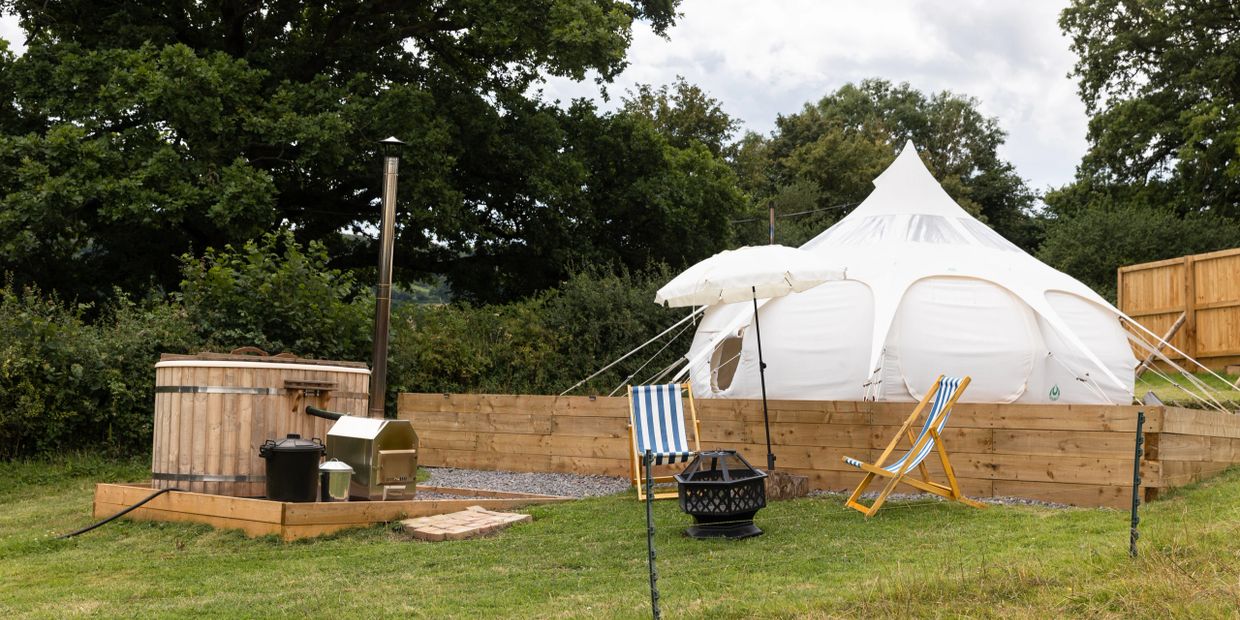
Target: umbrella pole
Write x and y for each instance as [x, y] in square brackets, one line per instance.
[766, 419]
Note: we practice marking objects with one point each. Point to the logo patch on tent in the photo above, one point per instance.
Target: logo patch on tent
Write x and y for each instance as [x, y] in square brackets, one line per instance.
[1054, 394]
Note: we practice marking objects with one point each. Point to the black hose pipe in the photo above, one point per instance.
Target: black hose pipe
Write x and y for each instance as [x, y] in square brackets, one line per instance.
[323, 413]
[119, 514]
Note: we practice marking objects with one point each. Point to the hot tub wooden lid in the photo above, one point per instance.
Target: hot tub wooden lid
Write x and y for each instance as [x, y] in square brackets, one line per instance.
[237, 360]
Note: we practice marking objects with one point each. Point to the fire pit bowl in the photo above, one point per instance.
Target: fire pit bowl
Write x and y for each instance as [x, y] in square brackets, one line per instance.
[722, 492]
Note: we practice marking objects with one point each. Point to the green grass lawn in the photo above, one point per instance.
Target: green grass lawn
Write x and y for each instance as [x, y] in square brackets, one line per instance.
[588, 559]
[1173, 395]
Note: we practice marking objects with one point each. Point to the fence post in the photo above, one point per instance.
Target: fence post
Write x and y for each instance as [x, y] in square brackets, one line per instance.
[1138, 451]
[654, 573]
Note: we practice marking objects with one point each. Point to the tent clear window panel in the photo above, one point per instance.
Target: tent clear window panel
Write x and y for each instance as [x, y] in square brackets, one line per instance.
[868, 230]
[987, 237]
[933, 229]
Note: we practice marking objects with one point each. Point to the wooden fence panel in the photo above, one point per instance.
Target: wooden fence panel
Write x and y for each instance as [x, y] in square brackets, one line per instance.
[1205, 287]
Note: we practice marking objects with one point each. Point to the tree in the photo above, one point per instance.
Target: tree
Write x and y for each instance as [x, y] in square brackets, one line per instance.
[138, 131]
[619, 194]
[840, 143]
[684, 114]
[1159, 80]
[1161, 177]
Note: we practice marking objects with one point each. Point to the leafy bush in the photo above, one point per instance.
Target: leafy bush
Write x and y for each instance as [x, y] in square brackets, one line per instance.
[135, 335]
[464, 348]
[66, 384]
[276, 295]
[71, 384]
[600, 316]
[541, 345]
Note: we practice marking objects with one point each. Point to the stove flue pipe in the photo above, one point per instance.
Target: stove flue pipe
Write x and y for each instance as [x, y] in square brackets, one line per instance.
[383, 292]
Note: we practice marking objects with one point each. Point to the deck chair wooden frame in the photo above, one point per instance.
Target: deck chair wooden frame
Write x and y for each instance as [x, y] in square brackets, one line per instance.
[636, 457]
[934, 424]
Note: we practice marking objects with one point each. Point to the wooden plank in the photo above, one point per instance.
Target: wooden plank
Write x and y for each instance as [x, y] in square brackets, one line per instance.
[1035, 468]
[1166, 262]
[290, 520]
[799, 457]
[591, 406]
[974, 440]
[275, 359]
[1218, 331]
[784, 411]
[212, 432]
[176, 414]
[449, 440]
[566, 426]
[230, 454]
[1065, 443]
[145, 513]
[1200, 422]
[1035, 417]
[159, 429]
[1176, 447]
[224, 506]
[1155, 312]
[1215, 305]
[1180, 473]
[1109, 496]
[490, 422]
[785, 434]
[846, 481]
[1190, 307]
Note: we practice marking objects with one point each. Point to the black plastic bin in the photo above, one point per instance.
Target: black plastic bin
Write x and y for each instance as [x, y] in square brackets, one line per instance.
[292, 468]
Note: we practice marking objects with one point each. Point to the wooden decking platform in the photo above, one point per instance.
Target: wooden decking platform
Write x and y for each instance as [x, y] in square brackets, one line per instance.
[290, 521]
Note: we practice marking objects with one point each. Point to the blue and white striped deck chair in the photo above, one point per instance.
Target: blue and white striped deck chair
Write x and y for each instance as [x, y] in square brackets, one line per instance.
[657, 423]
[941, 397]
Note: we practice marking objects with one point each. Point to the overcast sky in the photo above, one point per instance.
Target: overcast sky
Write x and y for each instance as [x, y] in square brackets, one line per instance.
[762, 59]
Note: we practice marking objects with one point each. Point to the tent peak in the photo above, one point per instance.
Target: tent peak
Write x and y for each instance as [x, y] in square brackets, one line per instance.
[907, 169]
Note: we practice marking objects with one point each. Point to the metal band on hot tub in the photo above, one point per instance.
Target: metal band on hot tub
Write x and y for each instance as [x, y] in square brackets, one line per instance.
[253, 391]
[207, 477]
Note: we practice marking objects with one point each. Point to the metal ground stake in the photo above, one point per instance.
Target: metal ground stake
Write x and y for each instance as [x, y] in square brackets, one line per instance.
[1136, 485]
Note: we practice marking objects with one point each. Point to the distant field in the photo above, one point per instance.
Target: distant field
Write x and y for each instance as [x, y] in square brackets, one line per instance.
[587, 559]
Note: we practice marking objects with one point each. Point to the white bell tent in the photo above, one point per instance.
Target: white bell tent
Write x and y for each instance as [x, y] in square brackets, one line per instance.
[929, 290]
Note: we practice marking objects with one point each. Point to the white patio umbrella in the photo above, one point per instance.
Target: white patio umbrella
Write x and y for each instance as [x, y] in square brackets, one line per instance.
[750, 272]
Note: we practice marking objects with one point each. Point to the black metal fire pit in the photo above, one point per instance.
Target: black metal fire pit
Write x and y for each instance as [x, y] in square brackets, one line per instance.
[722, 492]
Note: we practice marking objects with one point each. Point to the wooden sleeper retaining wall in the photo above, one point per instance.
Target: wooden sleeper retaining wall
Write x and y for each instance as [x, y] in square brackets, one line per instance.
[1074, 454]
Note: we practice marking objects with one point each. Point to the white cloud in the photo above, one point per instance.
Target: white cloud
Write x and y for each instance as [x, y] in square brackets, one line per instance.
[762, 59]
[11, 32]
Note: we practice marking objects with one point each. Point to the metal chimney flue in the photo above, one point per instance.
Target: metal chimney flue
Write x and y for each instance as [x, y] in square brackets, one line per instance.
[390, 148]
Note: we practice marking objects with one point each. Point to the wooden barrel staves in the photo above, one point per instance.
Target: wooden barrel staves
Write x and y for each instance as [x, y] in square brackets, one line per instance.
[213, 411]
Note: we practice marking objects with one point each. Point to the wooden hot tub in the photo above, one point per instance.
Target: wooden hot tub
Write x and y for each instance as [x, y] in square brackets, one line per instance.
[213, 411]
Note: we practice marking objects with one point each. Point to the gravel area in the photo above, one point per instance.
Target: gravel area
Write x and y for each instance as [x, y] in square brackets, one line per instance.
[996, 501]
[433, 495]
[565, 485]
[574, 485]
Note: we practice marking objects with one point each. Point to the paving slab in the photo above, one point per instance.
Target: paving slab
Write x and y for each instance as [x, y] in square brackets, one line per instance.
[468, 523]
